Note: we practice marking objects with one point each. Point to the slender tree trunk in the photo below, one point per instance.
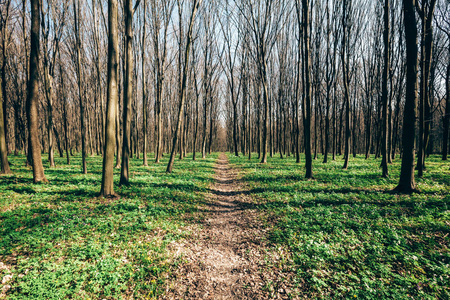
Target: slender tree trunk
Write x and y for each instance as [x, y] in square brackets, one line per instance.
[33, 95]
[197, 108]
[328, 84]
[426, 55]
[4, 32]
[263, 71]
[3, 150]
[384, 147]
[445, 137]
[76, 6]
[307, 87]
[107, 189]
[297, 105]
[127, 93]
[406, 182]
[345, 81]
[211, 121]
[65, 104]
[144, 90]
[235, 125]
[117, 124]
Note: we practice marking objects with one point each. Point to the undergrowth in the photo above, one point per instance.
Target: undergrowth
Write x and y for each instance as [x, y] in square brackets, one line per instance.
[59, 240]
[347, 236]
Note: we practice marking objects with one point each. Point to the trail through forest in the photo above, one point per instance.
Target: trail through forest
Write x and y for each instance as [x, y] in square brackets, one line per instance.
[226, 257]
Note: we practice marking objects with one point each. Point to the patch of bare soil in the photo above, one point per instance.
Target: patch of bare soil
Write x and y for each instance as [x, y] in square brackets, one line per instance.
[227, 257]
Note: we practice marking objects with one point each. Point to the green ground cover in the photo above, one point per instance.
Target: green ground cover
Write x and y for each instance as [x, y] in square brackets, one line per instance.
[346, 236]
[59, 240]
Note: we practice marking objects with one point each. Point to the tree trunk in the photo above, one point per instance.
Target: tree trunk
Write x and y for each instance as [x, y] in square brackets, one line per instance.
[3, 150]
[107, 189]
[65, 104]
[76, 6]
[345, 81]
[328, 85]
[426, 55]
[235, 124]
[446, 122]
[263, 71]
[33, 95]
[384, 147]
[307, 88]
[406, 182]
[127, 94]
[144, 91]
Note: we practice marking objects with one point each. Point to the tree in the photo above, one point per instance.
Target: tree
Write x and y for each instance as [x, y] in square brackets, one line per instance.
[446, 118]
[50, 51]
[5, 36]
[161, 13]
[306, 84]
[384, 147]
[3, 147]
[77, 14]
[344, 52]
[33, 95]
[263, 19]
[183, 79]
[3, 151]
[443, 23]
[127, 92]
[228, 66]
[426, 14]
[406, 182]
[107, 189]
[144, 87]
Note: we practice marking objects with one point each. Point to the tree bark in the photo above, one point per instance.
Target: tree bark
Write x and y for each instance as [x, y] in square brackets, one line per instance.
[426, 55]
[33, 95]
[144, 90]
[445, 137]
[384, 147]
[406, 182]
[107, 189]
[3, 149]
[76, 6]
[345, 82]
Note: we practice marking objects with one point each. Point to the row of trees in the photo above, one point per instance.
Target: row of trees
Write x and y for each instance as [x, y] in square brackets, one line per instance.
[322, 76]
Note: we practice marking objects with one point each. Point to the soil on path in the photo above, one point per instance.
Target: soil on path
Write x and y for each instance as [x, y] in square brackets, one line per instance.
[227, 257]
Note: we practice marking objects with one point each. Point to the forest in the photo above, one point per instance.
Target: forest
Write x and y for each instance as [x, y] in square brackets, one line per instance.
[236, 149]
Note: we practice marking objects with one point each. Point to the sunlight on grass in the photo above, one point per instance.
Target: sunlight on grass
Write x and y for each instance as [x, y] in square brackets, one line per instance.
[350, 238]
[59, 240]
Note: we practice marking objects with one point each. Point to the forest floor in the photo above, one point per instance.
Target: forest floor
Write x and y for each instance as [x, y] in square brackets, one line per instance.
[228, 255]
[225, 227]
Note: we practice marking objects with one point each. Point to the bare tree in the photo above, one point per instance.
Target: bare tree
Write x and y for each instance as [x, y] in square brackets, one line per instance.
[305, 22]
[107, 189]
[407, 183]
[3, 150]
[195, 6]
[426, 15]
[33, 95]
[77, 13]
[231, 54]
[3, 147]
[263, 18]
[384, 147]
[161, 14]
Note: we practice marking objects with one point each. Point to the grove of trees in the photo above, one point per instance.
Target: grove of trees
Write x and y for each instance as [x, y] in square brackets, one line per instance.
[124, 78]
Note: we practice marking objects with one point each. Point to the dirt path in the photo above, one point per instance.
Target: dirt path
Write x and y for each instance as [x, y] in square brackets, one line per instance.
[226, 255]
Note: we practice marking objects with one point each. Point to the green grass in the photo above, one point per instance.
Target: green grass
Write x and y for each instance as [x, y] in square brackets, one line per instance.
[347, 236]
[59, 240]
